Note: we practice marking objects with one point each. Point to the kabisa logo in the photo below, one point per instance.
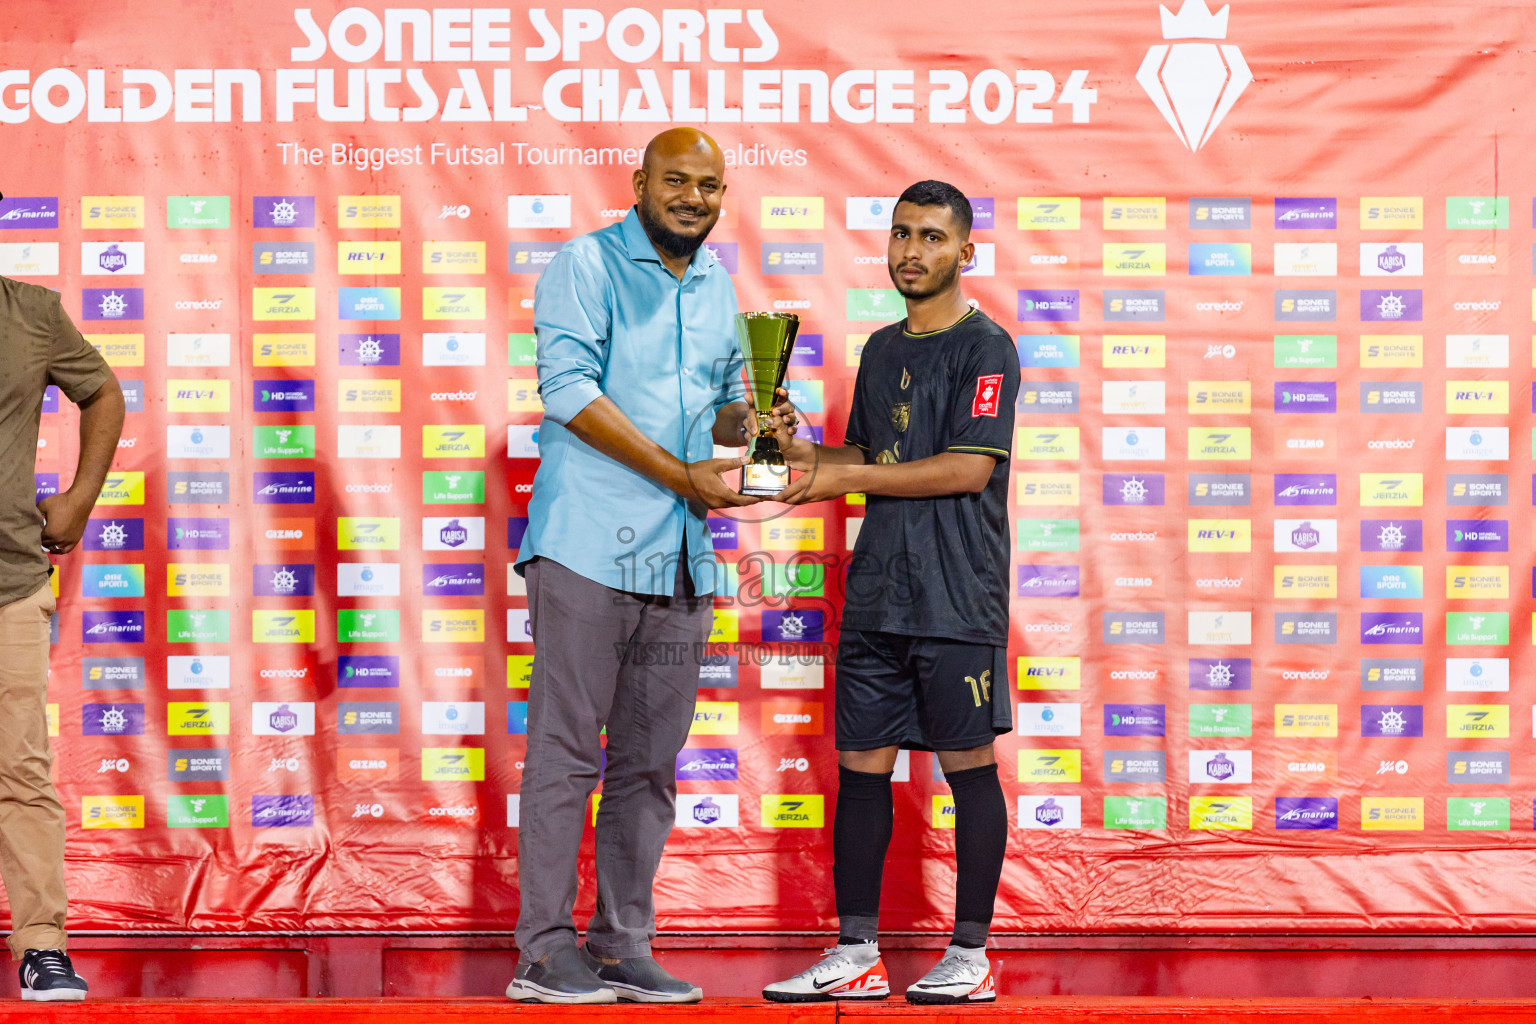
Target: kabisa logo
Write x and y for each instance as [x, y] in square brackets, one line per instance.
[706, 811]
[453, 534]
[113, 259]
[1049, 812]
[1220, 767]
[1194, 84]
[283, 719]
[1390, 261]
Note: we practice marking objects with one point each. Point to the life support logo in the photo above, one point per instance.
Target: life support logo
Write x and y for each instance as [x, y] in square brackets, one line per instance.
[1192, 81]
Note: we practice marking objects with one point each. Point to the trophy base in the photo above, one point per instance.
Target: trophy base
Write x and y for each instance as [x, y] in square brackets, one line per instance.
[760, 480]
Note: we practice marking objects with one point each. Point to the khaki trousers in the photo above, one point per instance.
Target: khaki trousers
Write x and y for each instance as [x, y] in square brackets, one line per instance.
[31, 817]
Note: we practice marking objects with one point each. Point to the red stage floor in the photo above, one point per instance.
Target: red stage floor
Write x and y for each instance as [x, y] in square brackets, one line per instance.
[296, 967]
[717, 1011]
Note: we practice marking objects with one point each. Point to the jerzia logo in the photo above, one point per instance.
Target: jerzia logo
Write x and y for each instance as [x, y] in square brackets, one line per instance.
[1194, 84]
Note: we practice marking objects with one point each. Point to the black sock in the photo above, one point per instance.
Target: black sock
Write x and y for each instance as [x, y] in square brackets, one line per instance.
[861, 832]
[981, 839]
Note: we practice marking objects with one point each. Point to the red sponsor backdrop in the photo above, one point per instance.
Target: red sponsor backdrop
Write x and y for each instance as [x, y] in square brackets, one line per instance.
[1383, 123]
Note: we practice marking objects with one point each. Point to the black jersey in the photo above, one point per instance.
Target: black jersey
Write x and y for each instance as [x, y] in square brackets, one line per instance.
[935, 566]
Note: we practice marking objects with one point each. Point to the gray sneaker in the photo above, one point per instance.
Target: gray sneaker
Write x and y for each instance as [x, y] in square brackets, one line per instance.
[560, 977]
[640, 979]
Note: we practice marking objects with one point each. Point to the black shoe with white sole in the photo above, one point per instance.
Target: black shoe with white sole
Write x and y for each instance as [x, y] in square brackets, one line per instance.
[640, 979]
[560, 977]
[47, 976]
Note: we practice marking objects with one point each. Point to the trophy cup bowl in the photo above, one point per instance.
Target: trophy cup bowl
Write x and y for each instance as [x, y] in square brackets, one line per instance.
[767, 340]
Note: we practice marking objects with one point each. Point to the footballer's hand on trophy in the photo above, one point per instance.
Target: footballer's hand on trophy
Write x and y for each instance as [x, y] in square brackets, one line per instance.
[783, 419]
[706, 483]
[821, 481]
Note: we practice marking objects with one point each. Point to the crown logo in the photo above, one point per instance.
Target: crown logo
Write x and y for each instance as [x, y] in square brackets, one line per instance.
[1195, 21]
[1194, 84]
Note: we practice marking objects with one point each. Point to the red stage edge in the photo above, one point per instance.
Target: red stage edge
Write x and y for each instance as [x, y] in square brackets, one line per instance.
[346, 970]
[1037, 1011]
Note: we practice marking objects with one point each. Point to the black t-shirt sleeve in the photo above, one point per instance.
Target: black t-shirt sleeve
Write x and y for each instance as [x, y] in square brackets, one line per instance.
[986, 387]
[856, 433]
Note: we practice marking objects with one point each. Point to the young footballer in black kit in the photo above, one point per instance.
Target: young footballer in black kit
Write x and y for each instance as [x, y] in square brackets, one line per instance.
[922, 658]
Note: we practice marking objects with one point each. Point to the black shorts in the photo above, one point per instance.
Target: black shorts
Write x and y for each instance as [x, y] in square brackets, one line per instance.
[921, 693]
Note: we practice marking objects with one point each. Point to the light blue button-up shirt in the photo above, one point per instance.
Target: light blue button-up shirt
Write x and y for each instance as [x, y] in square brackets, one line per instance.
[612, 320]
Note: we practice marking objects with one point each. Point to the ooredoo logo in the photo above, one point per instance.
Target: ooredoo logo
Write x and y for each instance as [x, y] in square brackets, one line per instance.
[1194, 82]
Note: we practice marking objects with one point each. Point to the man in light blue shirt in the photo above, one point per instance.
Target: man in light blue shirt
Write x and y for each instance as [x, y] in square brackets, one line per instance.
[640, 375]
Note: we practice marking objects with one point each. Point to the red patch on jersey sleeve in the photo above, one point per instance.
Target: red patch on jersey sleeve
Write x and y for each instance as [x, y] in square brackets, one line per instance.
[989, 390]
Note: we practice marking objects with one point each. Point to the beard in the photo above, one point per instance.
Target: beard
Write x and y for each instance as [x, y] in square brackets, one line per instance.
[919, 290]
[666, 240]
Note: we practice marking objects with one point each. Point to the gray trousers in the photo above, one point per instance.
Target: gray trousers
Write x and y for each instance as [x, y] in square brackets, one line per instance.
[587, 675]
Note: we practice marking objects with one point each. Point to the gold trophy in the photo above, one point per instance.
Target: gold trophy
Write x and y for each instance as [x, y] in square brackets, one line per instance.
[767, 341]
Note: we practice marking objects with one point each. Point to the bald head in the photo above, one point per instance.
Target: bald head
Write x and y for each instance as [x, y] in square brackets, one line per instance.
[678, 189]
[679, 142]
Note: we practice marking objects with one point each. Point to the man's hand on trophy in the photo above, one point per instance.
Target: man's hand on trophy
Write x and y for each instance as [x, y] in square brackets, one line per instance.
[705, 485]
